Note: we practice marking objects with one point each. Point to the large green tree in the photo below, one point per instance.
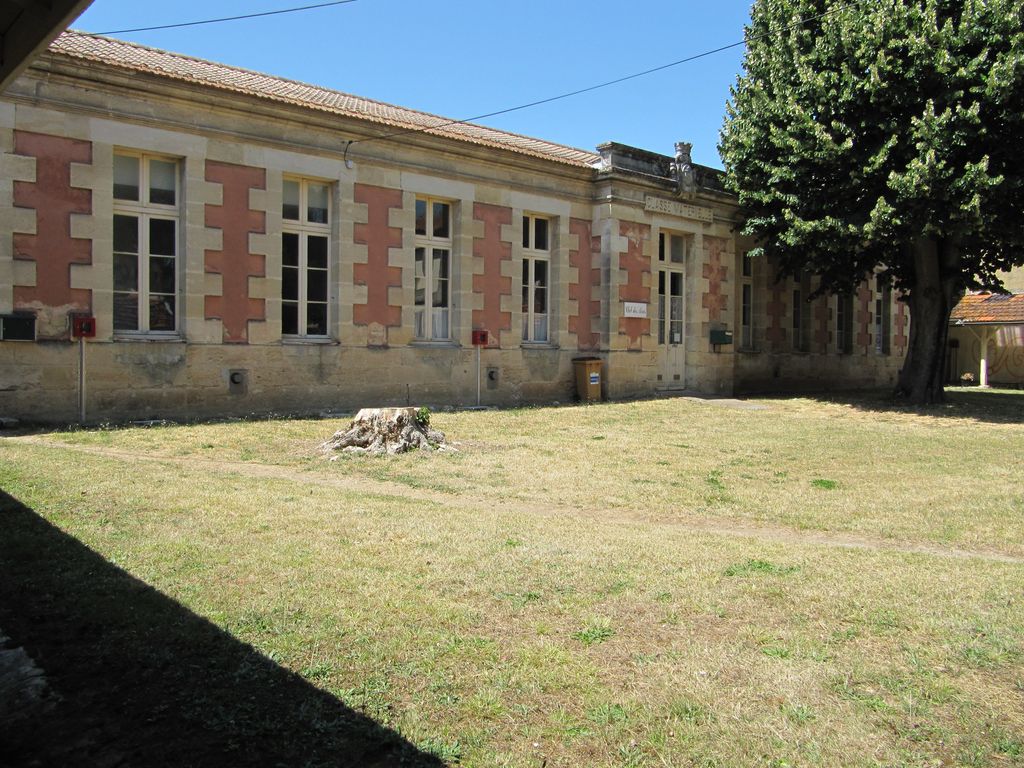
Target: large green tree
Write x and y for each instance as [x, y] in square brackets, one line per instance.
[885, 134]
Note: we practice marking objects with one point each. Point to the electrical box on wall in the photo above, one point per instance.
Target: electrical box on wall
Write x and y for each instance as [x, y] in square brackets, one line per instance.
[721, 337]
[83, 327]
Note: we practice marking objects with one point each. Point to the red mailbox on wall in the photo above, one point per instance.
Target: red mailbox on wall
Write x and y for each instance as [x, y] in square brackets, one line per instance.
[479, 338]
[83, 327]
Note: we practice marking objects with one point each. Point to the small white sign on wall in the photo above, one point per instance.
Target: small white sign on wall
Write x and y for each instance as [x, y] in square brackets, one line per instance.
[634, 309]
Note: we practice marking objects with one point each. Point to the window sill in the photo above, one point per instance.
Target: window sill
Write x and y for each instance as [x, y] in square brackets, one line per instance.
[309, 340]
[539, 345]
[435, 344]
[148, 338]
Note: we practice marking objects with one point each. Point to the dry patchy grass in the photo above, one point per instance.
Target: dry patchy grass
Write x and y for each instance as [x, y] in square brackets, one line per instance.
[472, 607]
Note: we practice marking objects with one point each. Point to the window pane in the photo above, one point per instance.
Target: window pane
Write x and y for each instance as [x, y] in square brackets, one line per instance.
[748, 266]
[440, 265]
[421, 263]
[317, 197]
[439, 296]
[126, 234]
[316, 284]
[661, 281]
[163, 182]
[126, 272]
[678, 249]
[441, 224]
[126, 311]
[420, 279]
[677, 284]
[540, 240]
[421, 217]
[126, 177]
[540, 301]
[290, 284]
[526, 231]
[676, 308]
[439, 318]
[540, 328]
[161, 313]
[419, 317]
[161, 237]
[316, 319]
[540, 273]
[289, 318]
[661, 318]
[290, 249]
[316, 252]
[661, 246]
[526, 297]
[290, 200]
[161, 274]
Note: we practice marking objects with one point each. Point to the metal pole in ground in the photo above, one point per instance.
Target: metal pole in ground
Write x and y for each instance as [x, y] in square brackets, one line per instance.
[81, 379]
[478, 375]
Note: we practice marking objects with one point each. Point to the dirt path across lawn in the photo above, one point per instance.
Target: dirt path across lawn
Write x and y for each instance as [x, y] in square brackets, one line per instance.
[717, 526]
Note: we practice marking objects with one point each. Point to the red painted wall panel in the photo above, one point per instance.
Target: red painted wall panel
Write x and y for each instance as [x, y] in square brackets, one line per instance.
[235, 308]
[714, 300]
[589, 275]
[636, 265]
[375, 274]
[53, 199]
[492, 285]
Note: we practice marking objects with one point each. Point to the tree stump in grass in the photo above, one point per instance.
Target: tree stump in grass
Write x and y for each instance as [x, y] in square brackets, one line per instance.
[388, 431]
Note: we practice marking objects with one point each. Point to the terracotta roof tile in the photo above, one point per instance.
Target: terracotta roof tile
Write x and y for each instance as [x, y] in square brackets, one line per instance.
[989, 308]
[139, 58]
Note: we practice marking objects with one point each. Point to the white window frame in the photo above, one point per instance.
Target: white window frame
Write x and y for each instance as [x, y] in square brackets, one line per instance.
[145, 211]
[671, 307]
[534, 254]
[424, 328]
[844, 323]
[303, 229]
[669, 314]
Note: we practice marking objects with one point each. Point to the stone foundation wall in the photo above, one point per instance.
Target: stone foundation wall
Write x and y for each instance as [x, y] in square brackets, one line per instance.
[781, 372]
[128, 380]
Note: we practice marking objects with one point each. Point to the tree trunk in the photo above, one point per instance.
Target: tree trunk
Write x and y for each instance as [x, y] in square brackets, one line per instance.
[935, 292]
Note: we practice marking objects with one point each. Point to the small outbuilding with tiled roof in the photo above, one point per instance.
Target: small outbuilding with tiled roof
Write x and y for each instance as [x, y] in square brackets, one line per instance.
[987, 336]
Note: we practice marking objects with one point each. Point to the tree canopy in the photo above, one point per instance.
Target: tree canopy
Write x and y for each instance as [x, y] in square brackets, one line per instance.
[884, 135]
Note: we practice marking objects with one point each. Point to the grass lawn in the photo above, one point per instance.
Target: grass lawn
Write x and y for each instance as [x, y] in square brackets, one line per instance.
[658, 583]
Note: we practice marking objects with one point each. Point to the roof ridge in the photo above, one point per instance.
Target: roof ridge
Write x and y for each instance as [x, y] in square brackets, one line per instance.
[64, 44]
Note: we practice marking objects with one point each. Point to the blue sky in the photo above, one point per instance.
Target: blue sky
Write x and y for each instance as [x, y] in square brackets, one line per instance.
[459, 58]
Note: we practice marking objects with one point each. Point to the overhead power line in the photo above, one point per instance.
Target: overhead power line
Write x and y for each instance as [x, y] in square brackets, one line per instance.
[606, 84]
[226, 18]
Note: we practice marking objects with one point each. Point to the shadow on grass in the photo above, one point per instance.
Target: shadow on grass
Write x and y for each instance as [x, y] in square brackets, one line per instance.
[137, 679]
[995, 406]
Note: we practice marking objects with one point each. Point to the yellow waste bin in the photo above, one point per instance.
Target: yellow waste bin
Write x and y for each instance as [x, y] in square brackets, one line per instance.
[588, 379]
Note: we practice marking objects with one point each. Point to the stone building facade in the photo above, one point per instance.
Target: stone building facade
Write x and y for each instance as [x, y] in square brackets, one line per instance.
[250, 244]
